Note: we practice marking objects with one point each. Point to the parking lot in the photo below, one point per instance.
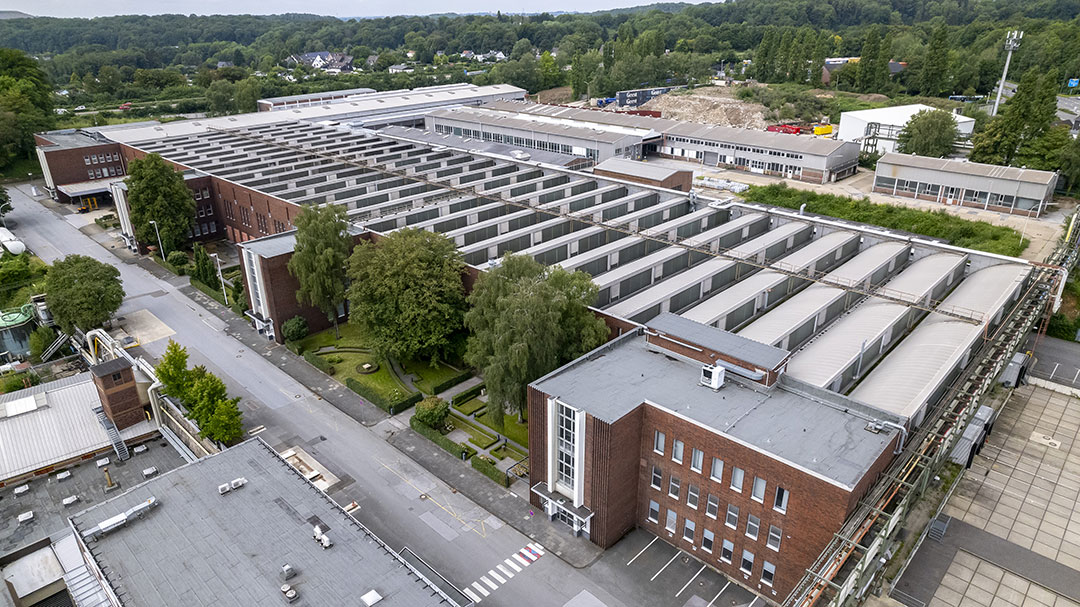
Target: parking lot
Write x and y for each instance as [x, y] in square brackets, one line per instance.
[664, 575]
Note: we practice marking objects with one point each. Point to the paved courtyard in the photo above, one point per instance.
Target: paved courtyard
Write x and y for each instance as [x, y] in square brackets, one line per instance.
[973, 582]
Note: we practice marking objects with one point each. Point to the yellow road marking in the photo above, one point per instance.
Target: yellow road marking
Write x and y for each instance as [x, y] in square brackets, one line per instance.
[447, 508]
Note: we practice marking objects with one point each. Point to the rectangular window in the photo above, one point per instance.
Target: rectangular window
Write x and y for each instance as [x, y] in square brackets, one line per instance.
[673, 487]
[692, 494]
[758, 491]
[658, 442]
[753, 525]
[657, 477]
[712, 507]
[706, 540]
[775, 535]
[688, 530]
[732, 519]
[717, 472]
[206, 193]
[213, 227]
[747, 562]
[676, 451]
[780, 503]
[697, 459]
[86, 159]
[564, 444]
[198, 195]
[768, 572]
[726, 551]
[672, 518]
[654, 511]
[94, 158]
[736, 479]
[90, 173]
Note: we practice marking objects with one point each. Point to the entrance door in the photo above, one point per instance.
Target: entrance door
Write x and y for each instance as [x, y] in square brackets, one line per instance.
[951, 194]
[712, 159]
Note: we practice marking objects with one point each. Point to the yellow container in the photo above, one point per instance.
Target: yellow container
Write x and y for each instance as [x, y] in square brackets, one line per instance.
[822, 129]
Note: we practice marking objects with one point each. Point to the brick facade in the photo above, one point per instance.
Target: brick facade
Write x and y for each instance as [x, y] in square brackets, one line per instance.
[87, 163]
[120, 397]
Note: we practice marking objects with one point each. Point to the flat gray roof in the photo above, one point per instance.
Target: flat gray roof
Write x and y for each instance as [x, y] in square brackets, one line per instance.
[315, 96]
[198, 547]
[764, 356]
[72, 138]
[776, 141]
[965, 167]
[510, 121]
[282, 243]
[645, 170]
[819, 438]
[489, 147]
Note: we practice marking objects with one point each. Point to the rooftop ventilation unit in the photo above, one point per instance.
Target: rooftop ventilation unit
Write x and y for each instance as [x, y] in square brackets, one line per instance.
[236, 483]
[713, 377]
[287, 572]
[370, 598]
[223, 488]
[325, 541]
[875, 426]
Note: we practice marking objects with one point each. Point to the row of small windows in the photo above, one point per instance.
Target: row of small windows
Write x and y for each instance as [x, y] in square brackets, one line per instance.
[716, 472]
[101, 158]
[708, 543]
[110, 171]
[535, 144]
[712, 508]
[737, 148]
[953, 193]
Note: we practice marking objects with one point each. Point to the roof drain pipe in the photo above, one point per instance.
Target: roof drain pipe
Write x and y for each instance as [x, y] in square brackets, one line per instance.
[903, 435]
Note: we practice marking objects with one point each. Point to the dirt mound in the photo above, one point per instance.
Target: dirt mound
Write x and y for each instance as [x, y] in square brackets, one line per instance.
[562, 94]
[710, 105]
[873, 97]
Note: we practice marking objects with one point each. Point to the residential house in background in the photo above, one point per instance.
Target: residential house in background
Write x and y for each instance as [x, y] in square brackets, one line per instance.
[322, 60]
[400, 68]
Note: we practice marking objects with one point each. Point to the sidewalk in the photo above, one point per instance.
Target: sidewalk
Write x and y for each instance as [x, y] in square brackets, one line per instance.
[503, 503]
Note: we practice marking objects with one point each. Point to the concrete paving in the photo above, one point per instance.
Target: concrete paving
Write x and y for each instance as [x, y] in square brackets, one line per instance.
[1058, 361]
[973, 582]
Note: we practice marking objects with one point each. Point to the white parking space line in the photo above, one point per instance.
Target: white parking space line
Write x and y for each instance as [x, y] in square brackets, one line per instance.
[690, 580]
[498, 578]
[505, 571]
[753, 601]
[673, 557]
[512, 565]
[484, 579]
[718, 594]
[642, 551]
[521, 559]
[472, 595]
[483, 591]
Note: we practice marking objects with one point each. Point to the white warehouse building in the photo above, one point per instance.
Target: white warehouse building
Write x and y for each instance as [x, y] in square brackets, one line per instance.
[876, 130]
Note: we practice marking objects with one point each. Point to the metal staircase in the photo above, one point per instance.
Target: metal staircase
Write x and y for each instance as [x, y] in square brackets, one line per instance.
[62, 339]
[114, 434]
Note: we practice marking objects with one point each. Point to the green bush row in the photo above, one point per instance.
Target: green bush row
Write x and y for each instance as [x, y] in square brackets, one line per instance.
[210, 292]
[458, 451]
[450, 383]
[168, 266]
[489, 470]
[960, 232]
[393, 408]
[467, 394]
[319, 363]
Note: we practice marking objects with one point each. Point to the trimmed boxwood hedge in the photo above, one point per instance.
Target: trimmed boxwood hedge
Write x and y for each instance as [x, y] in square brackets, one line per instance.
[319, 362]
[467, 394]
[489, 470]
[458, 451]
[393, 408]
[453, 381]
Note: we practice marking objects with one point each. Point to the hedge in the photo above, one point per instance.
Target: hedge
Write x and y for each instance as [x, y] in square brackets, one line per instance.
[168, 266]
[433, 435]
[319, 363]
[393, 408]
[294, 347]
[211, 292]
[489, 470]
[467, 394]
[450, 383]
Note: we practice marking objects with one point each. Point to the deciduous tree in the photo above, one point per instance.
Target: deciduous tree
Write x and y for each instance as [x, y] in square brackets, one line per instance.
[928, 133]
[525, 321]
[318, 262]
[406, 293]
[156, 192]
[172, 370]
[82, 292]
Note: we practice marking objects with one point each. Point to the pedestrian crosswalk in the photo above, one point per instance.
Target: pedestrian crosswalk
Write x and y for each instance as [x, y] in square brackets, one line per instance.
[503, 572]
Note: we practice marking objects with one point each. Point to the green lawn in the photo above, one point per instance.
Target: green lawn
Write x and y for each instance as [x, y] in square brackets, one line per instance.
[470, 406]
[512, 428]
[506, 451]
[17, 170]
[429, 376]
[351, 337]
[382, 381]
[477, 436]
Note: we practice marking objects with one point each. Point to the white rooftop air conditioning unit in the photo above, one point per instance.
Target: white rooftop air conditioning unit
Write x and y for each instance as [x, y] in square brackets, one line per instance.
[236, 483]
[223, 488]
[712, 377]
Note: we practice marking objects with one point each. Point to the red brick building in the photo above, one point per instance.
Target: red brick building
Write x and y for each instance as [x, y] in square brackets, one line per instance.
[78, 163]
[698, 436]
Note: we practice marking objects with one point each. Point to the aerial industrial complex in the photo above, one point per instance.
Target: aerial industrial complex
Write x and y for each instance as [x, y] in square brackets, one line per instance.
[766, 373]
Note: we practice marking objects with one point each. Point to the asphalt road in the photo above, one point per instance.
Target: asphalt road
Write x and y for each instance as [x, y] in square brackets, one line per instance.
[400, 501]
[1058, 361]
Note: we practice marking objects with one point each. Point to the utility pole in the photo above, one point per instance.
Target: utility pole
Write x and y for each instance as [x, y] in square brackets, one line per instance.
[1012, 42]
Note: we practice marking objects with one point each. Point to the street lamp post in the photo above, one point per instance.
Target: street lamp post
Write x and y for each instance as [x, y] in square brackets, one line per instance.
[217, 263]
[161, 249]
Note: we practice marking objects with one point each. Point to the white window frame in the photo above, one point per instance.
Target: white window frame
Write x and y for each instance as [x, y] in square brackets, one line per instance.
[737, 473]
[732, 510]
[654, 506]
[658, 442]
[677, 447]
[755, 522]
[728, 548]
[710, 537]
[767, 567]
[782, 506]
[697, 460]
[757, 490]
[691, 527]
[674, 487]
[712, 507]
[657, 480]
[717, 471]
[672, 522]
[778, 534]
[742, 566]
[693, 495]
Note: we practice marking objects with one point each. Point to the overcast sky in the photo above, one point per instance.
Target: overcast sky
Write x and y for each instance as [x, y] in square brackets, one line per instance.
[364, 8]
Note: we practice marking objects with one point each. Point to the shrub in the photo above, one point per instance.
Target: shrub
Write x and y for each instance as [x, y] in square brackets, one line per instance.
[453, 381]
[294, 329]
[393, 408]
[432, 411]
[319, 363]
[458, 451]
[467, 394]
[177, 259]
[41, 338]
[489, 470]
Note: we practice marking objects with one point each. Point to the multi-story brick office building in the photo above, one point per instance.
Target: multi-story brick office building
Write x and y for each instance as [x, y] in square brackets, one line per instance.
[752, 474]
